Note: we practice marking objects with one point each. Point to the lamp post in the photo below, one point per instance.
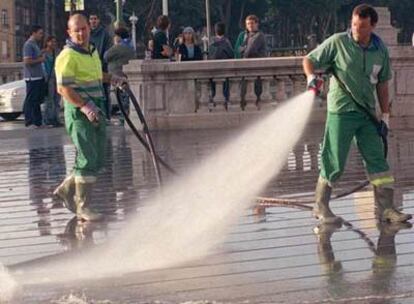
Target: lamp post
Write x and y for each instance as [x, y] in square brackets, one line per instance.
[119, 22]
[134, 19]
[208, 19]
[165, 7]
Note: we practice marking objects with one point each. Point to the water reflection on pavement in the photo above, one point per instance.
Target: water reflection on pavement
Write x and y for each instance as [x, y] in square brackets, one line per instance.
[278, 256]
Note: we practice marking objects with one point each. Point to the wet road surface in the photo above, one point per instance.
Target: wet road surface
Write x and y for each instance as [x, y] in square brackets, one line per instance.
[275, 257]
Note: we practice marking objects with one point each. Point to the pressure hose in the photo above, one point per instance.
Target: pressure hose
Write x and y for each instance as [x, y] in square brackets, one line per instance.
[147, 142]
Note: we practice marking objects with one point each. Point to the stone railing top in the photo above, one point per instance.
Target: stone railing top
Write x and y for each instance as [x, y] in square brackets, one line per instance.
[11, 65]
[235, 67]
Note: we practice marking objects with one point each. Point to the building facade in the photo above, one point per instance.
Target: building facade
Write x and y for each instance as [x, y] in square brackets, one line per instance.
[7, 36]
[18, 16]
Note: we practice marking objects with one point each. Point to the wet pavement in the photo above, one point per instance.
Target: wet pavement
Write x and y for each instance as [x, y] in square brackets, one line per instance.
[273, 257]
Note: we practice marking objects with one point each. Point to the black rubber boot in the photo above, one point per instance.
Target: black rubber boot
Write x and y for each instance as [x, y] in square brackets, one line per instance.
[321, 208]
[385, 210]
[83, 199]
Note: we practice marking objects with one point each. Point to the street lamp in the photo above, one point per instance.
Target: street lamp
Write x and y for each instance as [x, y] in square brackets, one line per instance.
[134, 19]
[165, 7]
[119, 22]
[208, 19]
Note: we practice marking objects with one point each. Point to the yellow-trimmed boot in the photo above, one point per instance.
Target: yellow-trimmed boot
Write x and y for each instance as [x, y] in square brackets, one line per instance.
[83, 198]
[385, 210]
[66, 192]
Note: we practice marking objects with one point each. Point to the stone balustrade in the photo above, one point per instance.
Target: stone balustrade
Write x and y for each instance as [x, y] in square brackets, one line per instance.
[192, 94]
[227, 93]
[10, 72]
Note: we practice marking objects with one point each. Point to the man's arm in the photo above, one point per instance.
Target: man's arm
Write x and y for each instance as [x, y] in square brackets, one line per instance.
[383, 96]
[28, 55]
[70, 95]
[31, 61]
[308, 67]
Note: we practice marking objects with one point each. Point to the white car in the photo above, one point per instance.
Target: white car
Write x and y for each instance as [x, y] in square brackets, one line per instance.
[12, 97]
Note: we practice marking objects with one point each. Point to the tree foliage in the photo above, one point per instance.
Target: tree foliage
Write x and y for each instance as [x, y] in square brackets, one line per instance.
[290, 21]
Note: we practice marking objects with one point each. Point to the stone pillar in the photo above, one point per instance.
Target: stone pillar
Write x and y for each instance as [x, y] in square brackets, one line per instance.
[235, 92]
[219, 98]
[384, 28]
[250, 97]
[266, 98]
[280, 89]
[299, 84]
[204, 96]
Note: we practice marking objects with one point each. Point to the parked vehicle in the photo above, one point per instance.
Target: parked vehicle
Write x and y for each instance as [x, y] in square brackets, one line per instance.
[12, 97]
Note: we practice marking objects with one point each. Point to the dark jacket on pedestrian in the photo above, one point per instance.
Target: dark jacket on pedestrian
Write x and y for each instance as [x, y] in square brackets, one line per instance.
[119, 55]
[160, 39]
[185, 56]
[102, 41]
[221, 49]
[253, 46]
[239, 42]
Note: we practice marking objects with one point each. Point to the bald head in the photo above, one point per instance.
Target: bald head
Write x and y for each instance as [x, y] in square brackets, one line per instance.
[76, 18]
[79, 30]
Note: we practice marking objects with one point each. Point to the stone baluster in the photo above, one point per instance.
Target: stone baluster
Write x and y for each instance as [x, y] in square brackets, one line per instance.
[250, 97]
[218, 98]
[266, 98]
[235, 94]
[288, 87]
[299, 84]
[204, 96]
[281, 89]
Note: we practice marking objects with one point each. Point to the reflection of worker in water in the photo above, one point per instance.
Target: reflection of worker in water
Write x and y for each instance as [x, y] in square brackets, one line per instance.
[384, 260]
[45, 166]
[337, 285]
[78, 234]
[360, 65]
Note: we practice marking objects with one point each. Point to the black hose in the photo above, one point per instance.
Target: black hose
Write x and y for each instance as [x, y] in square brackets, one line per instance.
[147, 142]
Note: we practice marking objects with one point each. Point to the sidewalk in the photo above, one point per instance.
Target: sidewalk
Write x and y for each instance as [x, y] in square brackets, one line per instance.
[271, 258]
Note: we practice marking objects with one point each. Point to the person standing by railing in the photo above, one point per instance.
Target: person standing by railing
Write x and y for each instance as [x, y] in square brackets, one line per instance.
[253, 46]
[52, 98]
[221, 49]
[189, 50]
[161, 47]
[103, 42]
[117, 56]
[34, 77]
[254, 42]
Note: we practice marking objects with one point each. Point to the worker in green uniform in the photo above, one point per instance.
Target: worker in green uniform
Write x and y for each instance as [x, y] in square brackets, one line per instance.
[79, 79]
[360, 67]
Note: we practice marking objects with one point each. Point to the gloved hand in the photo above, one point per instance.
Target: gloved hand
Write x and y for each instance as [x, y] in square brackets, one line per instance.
[118, 80]
[91, 111]
[315, 84]
[385, 117]
[384, 125]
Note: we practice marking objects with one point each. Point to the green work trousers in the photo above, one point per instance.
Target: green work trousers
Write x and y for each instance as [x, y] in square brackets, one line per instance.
[340, 130]
[89, 140]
